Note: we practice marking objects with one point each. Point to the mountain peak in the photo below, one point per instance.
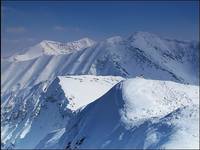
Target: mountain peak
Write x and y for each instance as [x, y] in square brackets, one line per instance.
[114, 39]
[48, 41]
[87, 40]
[47, 47]
[54, 48]
[148, 42]
[82, 43]
[142, 35]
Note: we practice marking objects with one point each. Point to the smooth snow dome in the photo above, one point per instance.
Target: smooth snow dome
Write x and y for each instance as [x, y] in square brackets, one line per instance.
[145, 99]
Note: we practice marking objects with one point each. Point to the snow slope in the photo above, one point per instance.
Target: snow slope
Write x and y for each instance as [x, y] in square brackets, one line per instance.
[25, 116]
[136, 113]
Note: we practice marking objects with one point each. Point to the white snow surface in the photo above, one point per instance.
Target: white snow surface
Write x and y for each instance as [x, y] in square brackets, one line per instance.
[146, 99]
[84, 89]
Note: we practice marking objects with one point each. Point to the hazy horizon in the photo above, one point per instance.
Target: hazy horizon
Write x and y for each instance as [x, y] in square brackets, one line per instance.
[27, 23]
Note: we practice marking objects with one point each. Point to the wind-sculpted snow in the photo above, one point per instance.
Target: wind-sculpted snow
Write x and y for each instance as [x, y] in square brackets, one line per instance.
[29, 115]
[136, 113]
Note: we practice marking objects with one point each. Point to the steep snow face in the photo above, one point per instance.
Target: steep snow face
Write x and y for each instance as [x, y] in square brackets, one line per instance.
[136, 113]
[84, 89]
[29, 115]
[178, 57]
[53, 48]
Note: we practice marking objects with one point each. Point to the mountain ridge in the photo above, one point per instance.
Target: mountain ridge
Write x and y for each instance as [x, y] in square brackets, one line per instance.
[47, 47]
[134, 116]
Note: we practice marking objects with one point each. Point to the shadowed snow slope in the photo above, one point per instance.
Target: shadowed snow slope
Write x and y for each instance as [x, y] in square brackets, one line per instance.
[31, 114]
[136, 113]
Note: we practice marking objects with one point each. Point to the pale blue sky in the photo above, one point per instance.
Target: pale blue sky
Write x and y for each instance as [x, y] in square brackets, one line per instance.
[26, 23]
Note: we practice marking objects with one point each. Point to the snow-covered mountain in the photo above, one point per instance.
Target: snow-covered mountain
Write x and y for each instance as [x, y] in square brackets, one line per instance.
[137, 113]
[54, 82]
